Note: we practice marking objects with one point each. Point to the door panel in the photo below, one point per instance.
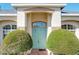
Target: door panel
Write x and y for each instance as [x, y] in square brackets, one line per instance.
[39, 32]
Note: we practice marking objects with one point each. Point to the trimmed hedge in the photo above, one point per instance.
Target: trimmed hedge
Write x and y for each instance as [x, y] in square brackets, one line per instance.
[63, 42]
[16, 41]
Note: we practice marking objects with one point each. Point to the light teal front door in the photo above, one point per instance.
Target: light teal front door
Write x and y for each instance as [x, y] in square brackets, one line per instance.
[39, 32]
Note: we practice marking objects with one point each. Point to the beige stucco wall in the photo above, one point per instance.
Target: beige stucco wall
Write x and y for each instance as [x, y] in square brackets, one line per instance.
[25, 17]
[14, 18]
[75, 18]
[29, 24]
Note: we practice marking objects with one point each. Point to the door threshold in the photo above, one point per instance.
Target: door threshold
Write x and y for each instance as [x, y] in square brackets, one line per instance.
[42, 49]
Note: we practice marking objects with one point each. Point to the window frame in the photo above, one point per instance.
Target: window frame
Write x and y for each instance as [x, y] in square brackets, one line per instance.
[7, 30]
[68, 27]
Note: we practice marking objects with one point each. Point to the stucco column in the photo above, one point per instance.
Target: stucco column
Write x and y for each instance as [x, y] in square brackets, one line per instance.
[55, 21]
[49, 28]
[21, 20]
[29, 26]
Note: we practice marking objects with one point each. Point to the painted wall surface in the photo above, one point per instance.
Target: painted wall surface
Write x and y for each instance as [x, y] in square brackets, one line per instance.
[74, 18]
[21, 19]
[56, 18]
[12, 18]
[64, 20]
[29, 24]
[24, 19]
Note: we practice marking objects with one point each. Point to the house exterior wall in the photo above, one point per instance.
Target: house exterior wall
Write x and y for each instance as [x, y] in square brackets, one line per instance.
[24, 17]
[12, 18]
[64, 20]
[54, 20]
[72, 18]
[4, 20]
[21, 20]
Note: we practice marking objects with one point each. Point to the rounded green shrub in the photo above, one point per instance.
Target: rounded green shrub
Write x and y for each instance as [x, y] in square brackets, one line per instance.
[17, 41]
[62, 42]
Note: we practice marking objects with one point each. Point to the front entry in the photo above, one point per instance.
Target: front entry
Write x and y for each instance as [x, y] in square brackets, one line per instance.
[39, 32]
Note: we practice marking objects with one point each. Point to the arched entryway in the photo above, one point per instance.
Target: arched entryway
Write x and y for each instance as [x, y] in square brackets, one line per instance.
[39, 32]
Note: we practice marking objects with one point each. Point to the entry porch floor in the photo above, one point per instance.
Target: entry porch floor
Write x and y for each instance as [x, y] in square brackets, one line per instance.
[39, 52]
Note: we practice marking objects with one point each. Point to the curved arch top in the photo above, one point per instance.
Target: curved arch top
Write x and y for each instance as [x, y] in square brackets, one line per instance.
[7, 20]
[70, 20]
[39, 24]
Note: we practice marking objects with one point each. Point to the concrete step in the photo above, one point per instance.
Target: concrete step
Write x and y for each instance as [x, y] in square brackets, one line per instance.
[39, 52]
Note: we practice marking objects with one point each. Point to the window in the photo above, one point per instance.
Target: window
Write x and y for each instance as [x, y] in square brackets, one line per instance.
[63, 26]
[13, 26]
[68, 27]
[7, 29]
